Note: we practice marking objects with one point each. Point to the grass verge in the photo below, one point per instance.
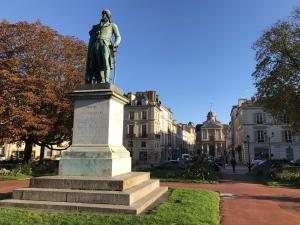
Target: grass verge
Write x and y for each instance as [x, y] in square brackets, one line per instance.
[13, 177]
[183, 207]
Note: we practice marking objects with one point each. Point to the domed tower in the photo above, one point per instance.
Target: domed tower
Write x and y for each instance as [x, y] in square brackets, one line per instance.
[211, 116]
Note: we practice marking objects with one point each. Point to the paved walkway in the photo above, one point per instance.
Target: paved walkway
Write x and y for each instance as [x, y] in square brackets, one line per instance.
[246, 202]
[8, 186]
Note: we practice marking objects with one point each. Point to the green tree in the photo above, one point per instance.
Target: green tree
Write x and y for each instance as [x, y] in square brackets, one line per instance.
[38, 68]
[277, 73]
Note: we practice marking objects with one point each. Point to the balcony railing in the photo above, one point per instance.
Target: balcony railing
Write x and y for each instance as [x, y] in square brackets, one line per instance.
[152, 136]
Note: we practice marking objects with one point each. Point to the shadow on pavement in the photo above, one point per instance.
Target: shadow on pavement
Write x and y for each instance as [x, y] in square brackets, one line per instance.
[5, 195]
[240, 176]
[272, 198]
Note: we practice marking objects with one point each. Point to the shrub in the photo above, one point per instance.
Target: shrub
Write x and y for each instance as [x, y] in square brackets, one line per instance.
[4, 172]
[200, 169]
[47, 167]
[22, 170]
[278, 170]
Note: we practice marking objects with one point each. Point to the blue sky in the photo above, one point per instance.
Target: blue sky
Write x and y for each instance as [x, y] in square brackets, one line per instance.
[194, 53]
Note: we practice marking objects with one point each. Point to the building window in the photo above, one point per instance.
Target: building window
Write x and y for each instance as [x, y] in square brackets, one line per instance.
[131, 129]
[218, 134]
[144, 115]
[2, 150]
[144, 130]
[287, 136]
[285, 119]
[133, 102]
[259, 118]
[211, 134]
[143, 156]
[143, 144]
[144, 102]
[130, 143]
[289, 153]
[260, 136]
[204, 134]
[131, 115]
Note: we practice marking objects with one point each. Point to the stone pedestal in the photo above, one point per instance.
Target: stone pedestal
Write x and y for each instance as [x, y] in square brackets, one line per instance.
[130, 193]
[97, 148]
[95, 174]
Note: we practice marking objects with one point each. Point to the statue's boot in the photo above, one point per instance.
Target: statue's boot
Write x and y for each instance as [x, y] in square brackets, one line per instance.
[102, 76]
[107, 73]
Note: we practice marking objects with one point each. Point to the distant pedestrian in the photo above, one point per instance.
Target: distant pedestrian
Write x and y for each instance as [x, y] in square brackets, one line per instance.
[233, 164]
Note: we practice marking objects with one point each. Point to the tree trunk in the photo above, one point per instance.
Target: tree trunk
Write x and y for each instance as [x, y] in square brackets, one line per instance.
[27, 151]
[42, 153]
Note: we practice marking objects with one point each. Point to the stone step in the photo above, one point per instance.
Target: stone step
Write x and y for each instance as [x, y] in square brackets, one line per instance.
[126, 197]
[148, 200]
[116, 183]
[136, 208]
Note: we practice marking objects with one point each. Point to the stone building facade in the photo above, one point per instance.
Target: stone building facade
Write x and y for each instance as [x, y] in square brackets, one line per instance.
[142, 136]
[150, 133]
[212, 137]
[265, 136]
[188, 138]
[16, 151]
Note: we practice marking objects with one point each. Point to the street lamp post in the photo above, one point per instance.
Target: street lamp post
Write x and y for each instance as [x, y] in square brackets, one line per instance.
[248, 146]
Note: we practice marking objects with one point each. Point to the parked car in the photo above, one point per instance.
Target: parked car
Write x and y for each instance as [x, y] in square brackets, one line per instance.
[186, 157]
[297, 161]
[219, 161]
[257, 162]
[176, 163]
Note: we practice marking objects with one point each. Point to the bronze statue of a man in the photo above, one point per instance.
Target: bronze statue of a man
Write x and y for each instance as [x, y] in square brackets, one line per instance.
[101, 49]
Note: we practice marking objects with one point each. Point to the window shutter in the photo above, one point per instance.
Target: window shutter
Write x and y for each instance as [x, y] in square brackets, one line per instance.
[294, 137]
[264, 117]
[265, 135]
[256, 136]
[254, 118]
[141, 128]
[283, 136]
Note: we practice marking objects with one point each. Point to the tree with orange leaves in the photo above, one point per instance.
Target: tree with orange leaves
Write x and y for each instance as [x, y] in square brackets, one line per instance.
[38, 68]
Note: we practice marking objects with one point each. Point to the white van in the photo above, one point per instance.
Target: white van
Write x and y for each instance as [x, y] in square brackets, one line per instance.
[186, 157]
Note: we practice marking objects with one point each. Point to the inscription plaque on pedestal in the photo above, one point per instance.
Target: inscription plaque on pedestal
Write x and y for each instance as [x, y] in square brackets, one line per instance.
[97, 148]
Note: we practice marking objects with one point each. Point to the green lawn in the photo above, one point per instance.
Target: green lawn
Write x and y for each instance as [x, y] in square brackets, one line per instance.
[183, 207]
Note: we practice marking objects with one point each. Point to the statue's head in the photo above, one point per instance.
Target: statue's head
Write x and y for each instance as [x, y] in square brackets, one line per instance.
[106, 15]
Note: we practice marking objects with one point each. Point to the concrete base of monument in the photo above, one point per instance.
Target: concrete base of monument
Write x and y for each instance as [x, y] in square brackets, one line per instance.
[130, 193]
[95, 160]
